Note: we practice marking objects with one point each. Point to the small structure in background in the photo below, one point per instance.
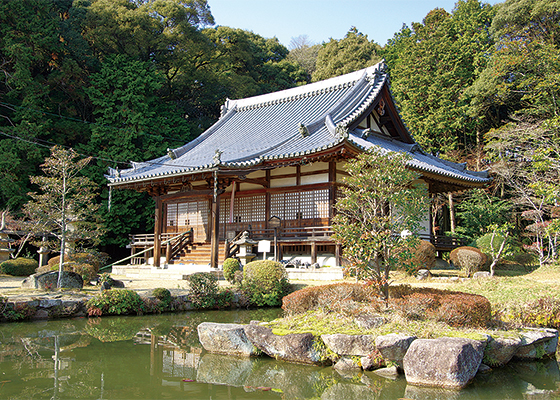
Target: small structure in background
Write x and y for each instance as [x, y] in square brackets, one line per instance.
[245, 244]
[5, 241]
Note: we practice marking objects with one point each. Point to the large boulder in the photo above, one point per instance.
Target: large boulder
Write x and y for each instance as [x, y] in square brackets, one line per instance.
[394, 346]
[294, 347]
[499, 351]
[225, 339]
[537, 343]
[48, 280]
[350, 345]
[444, 362]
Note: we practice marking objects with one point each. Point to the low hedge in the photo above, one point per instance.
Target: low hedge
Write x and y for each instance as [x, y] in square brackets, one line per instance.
[20, 266]
[454, 308]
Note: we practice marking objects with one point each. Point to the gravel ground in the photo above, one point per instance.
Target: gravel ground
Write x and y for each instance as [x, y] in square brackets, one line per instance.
[10, 287]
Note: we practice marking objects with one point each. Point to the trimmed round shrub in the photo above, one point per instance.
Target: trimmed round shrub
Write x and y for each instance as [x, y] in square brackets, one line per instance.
[231, 265]
[469, 259]
[162, 294]
[265, 282]
[20, 266]
[328, 297]
[454, 308]
[422, 256]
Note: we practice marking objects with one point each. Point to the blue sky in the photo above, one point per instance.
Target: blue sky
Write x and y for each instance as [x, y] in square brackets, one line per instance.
[321, 20]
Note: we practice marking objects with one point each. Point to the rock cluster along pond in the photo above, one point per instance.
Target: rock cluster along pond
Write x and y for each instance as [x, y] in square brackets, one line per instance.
[443, 362]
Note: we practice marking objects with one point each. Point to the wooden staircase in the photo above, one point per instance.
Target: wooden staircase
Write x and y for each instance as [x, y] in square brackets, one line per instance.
[199, 253]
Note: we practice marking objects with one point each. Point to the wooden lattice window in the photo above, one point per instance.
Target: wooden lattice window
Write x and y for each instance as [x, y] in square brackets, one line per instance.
[187, 213]
[300, 205]
[245, 209]
[172, 215]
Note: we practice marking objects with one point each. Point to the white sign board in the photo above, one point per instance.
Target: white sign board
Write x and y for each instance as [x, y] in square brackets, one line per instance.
[264, 246]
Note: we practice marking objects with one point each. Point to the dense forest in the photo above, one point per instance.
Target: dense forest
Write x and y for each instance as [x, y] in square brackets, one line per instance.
[123, 80]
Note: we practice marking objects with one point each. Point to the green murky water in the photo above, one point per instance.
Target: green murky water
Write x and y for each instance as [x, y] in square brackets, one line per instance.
[159, 357]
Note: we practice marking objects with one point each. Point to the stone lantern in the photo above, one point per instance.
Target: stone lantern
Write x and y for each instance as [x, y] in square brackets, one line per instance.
[5, 241]
[245, 244]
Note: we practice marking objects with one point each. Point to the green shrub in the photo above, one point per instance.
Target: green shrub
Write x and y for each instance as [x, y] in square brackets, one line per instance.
[203, 289]
[231, 265]
[164, 296]
[116, 302]
[469, 259]
[85, 264]
[543, 312]
[11, 312]
[20, 266]
[265, 282]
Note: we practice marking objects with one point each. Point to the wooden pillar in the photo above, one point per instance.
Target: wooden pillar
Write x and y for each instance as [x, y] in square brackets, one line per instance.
[157, 232]
[267, 198]
[215, 238]
[313, 252]
[168, 253]
[338, 255]
[332, 188]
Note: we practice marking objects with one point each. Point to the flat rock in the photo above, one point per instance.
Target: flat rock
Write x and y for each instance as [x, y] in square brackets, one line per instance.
[346, 363]
[394, 346]
[225, 339]
[350, 345]
[423, 274]
[444, 362]
[294, 347]
[372, 361]
[366, 321]
[537, 343]
[499, 351]
[388, 372]
[481, 275]
[48, 280]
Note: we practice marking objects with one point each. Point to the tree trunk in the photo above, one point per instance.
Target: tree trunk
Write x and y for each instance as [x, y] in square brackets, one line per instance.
[451, 212]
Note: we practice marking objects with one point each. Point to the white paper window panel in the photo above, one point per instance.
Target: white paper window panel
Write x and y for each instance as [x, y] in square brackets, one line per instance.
[283, 182]
[310, 179]
[318, 166]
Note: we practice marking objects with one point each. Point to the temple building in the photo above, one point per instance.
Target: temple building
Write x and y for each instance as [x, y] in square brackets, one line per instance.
[272, 165]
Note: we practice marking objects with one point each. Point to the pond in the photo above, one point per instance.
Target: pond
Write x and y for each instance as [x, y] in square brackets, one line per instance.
[160, 357]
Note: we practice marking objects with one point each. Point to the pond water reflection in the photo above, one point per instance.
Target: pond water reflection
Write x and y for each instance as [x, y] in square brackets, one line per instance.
[159, 357]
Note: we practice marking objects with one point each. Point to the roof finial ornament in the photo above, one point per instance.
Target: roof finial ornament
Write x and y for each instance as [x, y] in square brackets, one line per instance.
[341, 132]
[217, 159]
[303, 131]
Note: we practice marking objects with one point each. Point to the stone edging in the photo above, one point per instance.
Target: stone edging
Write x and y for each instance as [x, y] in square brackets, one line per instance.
[441, 362]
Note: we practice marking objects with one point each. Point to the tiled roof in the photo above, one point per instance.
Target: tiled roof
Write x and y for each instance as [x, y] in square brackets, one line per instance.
[287, 124]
